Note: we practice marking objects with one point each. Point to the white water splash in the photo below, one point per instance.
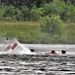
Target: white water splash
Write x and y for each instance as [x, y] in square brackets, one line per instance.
[6, 47]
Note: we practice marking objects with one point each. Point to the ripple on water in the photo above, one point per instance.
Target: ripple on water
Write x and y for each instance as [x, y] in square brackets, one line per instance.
[36, 65]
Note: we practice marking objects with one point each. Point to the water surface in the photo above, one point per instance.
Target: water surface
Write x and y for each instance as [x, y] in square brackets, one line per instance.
[37, 64]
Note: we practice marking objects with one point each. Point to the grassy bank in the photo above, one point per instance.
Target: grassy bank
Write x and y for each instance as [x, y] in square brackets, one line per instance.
[29, 32]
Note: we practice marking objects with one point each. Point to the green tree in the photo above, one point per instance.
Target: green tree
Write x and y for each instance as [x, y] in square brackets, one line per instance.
[51, 25]
[36, 13]
[55, 7]
[69, 13]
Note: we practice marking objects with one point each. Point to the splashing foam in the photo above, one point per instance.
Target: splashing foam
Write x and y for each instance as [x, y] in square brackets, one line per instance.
[14, 47]
[20, 49]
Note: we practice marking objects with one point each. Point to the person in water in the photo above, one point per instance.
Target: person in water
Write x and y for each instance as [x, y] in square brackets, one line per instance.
[63, 51]
[53, 52]
[32, 50]
[6, 40]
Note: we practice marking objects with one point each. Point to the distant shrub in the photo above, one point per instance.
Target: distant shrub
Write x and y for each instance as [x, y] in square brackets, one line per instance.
[58, 7]
[36, 13]
[18, 15]
[9, 12]
[69, 13]
[2, 11]
[51, 25]
[70, 33]
[12, 13]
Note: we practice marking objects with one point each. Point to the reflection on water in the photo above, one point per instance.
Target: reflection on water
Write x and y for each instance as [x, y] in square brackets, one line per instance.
[37, 65]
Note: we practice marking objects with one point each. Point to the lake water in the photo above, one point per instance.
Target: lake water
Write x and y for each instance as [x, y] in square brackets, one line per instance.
[24, 63]
[37, 64]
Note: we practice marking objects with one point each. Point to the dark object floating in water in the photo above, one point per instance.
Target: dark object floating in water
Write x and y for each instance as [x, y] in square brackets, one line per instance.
[53, 52]
[6, 38]
[63, 52]
[32, 50]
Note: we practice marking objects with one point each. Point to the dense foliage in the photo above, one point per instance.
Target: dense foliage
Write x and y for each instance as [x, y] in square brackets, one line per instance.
[33, 9]
[52, 15]
[51, 25]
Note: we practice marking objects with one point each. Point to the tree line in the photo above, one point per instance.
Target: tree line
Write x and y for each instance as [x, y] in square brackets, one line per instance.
[33, 9]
